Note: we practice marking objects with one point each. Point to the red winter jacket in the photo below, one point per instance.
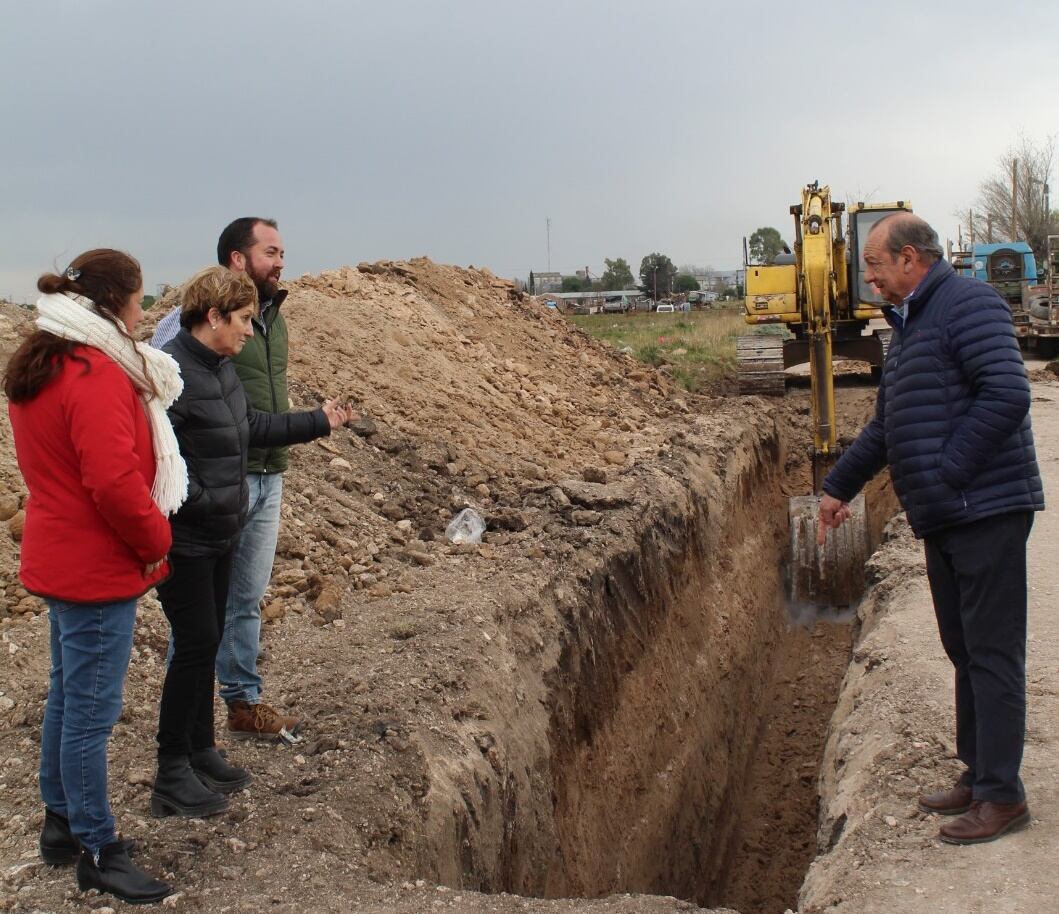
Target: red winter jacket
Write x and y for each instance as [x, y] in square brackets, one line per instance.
[84, 448]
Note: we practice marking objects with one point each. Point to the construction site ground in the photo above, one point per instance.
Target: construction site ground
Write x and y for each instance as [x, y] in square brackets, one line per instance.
[607, 705]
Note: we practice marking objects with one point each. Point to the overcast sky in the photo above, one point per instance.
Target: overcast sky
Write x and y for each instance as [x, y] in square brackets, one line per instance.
[455, 129]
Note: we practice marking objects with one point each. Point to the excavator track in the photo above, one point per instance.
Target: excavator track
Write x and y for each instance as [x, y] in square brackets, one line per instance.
[760, 365]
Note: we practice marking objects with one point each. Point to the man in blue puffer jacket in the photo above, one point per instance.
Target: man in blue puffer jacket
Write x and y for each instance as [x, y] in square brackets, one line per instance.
[952, 423]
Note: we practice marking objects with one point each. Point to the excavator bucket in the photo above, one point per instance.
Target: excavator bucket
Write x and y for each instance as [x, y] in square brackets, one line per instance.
[832, 574]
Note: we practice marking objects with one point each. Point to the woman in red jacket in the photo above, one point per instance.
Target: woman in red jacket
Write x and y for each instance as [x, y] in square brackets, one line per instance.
[87, 406]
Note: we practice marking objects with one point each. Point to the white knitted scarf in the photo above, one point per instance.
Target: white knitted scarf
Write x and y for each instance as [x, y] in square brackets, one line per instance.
[72, 318]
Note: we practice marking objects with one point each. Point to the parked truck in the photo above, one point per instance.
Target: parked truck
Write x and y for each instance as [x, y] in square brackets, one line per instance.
[1043, 303]
[1011, 269]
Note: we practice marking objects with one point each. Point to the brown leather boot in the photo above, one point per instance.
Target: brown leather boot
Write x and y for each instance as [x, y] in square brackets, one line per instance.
[985, 821]
[951, 802]
[261, 721]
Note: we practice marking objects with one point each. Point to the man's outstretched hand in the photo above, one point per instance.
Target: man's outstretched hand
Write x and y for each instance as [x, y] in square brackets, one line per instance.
[833, 513]
[337, 414]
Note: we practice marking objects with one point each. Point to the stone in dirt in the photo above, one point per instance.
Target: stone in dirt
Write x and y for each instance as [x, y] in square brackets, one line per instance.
[508, 520]
[8, 506]
[27, 605]
[594, 474]
[15, 525]
[329, 603]
[392, 511]
[273, 610]
[364, 427]
[594, 495]
[586, 518]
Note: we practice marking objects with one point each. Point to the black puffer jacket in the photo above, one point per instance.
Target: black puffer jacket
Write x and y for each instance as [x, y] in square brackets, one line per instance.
[952, 416]
[215, 425]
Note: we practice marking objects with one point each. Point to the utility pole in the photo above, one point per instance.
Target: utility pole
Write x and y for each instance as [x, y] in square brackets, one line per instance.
[548, 230]
[1014, 197]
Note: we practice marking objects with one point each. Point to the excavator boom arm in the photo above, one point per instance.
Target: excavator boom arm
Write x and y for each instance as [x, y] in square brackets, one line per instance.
[818, 229]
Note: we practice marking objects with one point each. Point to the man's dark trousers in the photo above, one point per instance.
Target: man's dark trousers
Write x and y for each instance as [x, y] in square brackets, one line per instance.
[977, 576]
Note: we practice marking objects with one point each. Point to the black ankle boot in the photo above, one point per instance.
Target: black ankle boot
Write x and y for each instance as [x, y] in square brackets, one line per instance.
[178, 792]
[112, 871]
[215, 772]
[58, 846]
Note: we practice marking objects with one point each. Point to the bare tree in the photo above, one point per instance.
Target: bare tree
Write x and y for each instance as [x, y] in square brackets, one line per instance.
[1013, 204]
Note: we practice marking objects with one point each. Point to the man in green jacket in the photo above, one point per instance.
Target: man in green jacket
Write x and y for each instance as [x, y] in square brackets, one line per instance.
[254, 246]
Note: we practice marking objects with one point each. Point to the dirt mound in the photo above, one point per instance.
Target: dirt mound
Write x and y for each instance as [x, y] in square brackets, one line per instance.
[391, 641]
[468, 393]
[462, 360]
[15, 324]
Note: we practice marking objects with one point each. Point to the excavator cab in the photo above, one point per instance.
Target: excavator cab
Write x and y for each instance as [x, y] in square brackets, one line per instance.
[862, 219]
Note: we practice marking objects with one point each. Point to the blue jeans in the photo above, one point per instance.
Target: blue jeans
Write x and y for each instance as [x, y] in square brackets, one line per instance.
[90, 648]
[251, 571]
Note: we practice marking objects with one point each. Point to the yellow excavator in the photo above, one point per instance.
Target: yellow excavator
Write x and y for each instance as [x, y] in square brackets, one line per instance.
[819, 295]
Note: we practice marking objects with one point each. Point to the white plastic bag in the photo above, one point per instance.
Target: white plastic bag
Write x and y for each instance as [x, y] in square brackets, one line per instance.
[466, 527]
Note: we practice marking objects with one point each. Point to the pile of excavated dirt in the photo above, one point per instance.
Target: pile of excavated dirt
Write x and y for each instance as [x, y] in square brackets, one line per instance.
[468, 394]
[571, 707]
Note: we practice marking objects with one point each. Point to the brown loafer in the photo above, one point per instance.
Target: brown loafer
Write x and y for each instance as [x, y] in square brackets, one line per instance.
[951, 802]
[985, 821]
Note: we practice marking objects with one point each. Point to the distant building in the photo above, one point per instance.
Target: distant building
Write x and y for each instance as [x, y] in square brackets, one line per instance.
[715, 280]
[545, 282]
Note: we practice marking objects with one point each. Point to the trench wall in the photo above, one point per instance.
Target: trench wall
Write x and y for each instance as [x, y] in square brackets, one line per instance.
[659, 686]
[619, 739]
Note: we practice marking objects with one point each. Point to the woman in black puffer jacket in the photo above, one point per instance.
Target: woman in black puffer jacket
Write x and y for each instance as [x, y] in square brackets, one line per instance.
[214, 425]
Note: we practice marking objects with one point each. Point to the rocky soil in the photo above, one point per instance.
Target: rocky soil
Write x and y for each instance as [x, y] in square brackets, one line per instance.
[594, 701]
[424, 669]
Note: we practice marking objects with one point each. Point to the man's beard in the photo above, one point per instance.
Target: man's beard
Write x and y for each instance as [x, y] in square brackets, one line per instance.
[267, 285]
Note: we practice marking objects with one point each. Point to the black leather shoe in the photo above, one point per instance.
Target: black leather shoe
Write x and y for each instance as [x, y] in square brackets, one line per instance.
[58, 846]
[112, 871]
[216, 773]
[179, 792]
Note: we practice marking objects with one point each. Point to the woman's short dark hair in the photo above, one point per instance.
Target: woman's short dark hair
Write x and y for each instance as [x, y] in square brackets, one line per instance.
[239, 236]
[105, 276]
[215, 287]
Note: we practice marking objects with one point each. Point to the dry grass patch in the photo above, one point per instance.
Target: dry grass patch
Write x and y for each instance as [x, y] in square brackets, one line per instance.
[697, 347]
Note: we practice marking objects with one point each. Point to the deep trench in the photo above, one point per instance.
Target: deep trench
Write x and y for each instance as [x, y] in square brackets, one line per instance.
[688, 710]
[687, 740]
[690, 722]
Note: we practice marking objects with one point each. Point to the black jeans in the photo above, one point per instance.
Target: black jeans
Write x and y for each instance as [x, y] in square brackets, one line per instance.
[977, 576]
[193, 601]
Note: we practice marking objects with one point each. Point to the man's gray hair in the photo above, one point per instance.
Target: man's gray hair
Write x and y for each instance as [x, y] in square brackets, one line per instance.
[907, 229]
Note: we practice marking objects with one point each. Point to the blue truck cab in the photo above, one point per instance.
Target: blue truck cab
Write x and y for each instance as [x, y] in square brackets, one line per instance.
[1008, 267]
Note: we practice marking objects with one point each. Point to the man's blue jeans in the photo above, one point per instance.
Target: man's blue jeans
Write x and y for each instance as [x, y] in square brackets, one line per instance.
[90, 648]
[251, 571]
